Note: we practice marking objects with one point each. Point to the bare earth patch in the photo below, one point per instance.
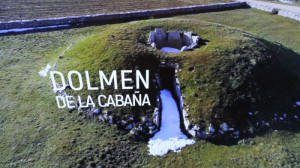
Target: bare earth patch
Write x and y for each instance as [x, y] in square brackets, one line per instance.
[34, 9]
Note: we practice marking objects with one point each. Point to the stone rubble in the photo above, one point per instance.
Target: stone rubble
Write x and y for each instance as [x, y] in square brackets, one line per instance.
[183, 41]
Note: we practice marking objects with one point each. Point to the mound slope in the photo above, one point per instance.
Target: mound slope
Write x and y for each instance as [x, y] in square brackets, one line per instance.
[232, 86]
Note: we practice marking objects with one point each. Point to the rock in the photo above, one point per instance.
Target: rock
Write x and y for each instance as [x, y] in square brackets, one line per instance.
[195, 39]
[211, 129]
[105, 116]
[153, 131]
[130, 119]
[193, 131]
[236, 135]
[156, 116]
[160, 38]
[133, 132]
[139, 128]
[184, 48]
[144, 119]
[128, 127]
[123, 122]
[174, 40]
[274, 11]
[96, 111]
[153, 45]
[202, 135]
[193, 45]
[151, 38]
[224, 127]
[152, 127]
[101, 118]
[110, 121]
[187, 38]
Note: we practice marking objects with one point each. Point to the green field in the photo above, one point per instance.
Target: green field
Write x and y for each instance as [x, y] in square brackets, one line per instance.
[34, 133]
[36, 9]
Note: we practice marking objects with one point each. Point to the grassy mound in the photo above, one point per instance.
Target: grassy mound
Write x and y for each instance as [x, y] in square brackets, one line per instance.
[224, 80]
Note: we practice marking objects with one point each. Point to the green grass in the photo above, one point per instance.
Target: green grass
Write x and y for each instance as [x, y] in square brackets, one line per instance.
[34, 133]
[262, 24]
[273, 150]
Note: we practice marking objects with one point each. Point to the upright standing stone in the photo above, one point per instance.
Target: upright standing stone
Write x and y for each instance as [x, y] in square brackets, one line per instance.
[187, 38]
[151, 38]
[160, 38]
[174, 40]
[195, 39]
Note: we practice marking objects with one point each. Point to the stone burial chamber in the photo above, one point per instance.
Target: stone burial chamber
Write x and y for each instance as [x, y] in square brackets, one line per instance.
[174, 42]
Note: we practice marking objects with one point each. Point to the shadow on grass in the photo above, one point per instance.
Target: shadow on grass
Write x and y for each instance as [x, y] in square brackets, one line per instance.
[271, 104]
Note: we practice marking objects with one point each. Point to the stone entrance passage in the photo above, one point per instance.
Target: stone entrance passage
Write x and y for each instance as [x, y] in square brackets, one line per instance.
[170, 136]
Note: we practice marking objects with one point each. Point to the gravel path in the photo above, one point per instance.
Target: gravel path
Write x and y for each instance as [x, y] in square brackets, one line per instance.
[290, 8]
[292, 12]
